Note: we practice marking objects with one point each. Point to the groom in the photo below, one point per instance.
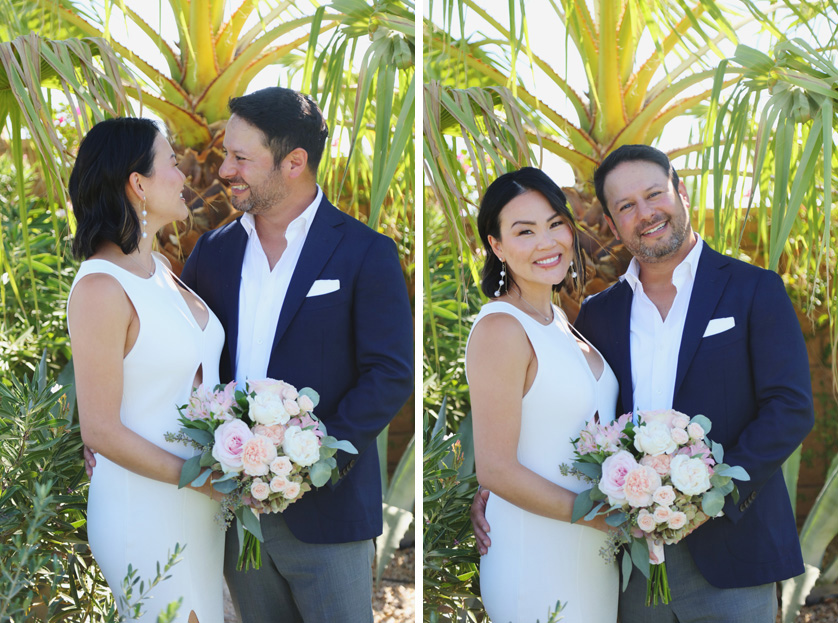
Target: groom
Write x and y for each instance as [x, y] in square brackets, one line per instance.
[315, 298]
[691, 329]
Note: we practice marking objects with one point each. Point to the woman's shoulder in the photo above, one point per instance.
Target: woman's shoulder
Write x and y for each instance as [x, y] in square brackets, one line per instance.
[499, 324]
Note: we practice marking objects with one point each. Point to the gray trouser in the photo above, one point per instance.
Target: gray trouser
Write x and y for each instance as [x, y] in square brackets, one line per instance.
[301, 582]
[694, 600]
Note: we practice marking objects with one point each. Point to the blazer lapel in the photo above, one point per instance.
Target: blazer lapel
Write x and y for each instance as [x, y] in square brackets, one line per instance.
[709, 284]
[321, 241]
[622, 343]
[229, 277]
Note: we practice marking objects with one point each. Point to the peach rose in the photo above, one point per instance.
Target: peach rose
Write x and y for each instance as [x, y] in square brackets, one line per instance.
[259, 489]
[282, 466]
[305, 404]
[662, 514]
[695, 431]
[646, 521]
[291, 407]
[680, 436]
[292, 490]
[664, 495]
[278, 483]
[677, 520]
[257, 455]
[275, 432]
[640, 483]
[659, 463]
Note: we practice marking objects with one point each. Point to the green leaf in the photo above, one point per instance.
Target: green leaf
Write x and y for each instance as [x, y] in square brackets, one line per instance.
[200, 436]
[712, 502]
[320, 473]
[250, 522]
[581, 505]
[313, 395]
[627, 569]
[190, 471]
[734, 472]
[703, 421]
[342, 444]
[200, 480]
[594, 511]
[616, 519]
[207, 459]
[225, 485]
[640, 555]
[591, 470]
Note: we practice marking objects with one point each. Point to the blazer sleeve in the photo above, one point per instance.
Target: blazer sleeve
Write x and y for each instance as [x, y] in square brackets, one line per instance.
[189, 274]
[783, 392]
[383, 352]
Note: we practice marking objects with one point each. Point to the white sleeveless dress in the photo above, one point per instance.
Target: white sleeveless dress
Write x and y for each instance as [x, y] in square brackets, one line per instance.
[135, 520]
[535, 561]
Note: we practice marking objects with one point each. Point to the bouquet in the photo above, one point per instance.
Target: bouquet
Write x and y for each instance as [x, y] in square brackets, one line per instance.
[657, 480]
[268, 445]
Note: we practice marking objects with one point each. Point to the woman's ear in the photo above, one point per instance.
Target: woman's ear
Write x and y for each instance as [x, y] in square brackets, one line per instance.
[496, 247]
[134, 187]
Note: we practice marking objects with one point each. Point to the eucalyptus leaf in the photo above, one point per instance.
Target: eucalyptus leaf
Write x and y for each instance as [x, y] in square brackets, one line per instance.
[703, 421]
[712, 502]
[224, 486]
[591, 470]
[250, 521]
[640, 555]
[200, 480]
[594, 511]
[201, 436]
[313, 395]
[735, 472]
[717, 451]
[616, 519]
[581, 505]
[207, 459]
[320, 473]
[342, 444]
[627, 569]
[190, 471]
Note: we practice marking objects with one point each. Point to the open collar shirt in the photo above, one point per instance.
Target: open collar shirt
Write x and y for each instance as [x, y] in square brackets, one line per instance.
[654, 342]
[262, 292]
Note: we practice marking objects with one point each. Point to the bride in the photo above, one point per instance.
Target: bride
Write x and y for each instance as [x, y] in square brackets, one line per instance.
[140, 341]
[534, 383]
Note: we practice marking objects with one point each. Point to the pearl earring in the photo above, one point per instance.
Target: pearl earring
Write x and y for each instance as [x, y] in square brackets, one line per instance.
[573, 272]
[144, 222]
[500, 281]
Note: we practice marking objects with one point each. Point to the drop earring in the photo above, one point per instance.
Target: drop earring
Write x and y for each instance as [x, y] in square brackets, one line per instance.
[573, 273]
[500, 281]
[143, 220]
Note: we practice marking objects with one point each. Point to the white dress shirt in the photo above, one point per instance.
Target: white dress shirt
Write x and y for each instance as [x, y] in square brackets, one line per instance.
[262, 292]
[654, 342]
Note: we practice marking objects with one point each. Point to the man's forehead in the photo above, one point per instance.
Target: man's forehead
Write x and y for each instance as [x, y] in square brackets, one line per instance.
[240, 135]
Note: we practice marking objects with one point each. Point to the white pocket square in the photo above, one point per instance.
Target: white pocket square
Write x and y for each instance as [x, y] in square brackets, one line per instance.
[324, 286]
[719, 325]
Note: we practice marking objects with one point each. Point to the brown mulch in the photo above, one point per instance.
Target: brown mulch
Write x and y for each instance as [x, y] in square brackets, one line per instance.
[393, 602]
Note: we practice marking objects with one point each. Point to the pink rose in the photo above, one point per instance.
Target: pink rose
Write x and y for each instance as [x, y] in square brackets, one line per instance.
[282, 466]
[292, 490]
[662, 514]
[640, 483]
[291, 407]
[230, 438]
[680, 420]
[695, 431]
[257, 455]
[259, 489]
[305, 404]
[659, 463]
[278, 483]
[680, 436]
[274, 432]
[677, 520]
[614, 470]
[646, 521]
[664, 495]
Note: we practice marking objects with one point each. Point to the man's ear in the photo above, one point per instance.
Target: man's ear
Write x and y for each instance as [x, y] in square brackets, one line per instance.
[611, 226]
[296, 162]
[682, 190]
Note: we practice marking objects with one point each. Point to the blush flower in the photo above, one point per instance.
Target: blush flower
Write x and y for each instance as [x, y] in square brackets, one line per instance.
[267, 409]
[278, 483]
[257, 455]
[259, 489]
[281, 466]
[677, 520]
[680, 436]
[646, 521]
[662, 514]
[695, 431]
[275, 432]
[305, 404]
[690, 476]
[680, 420]
[659, 463]
[640, 484]
[654, 438]
[230, 438]
[301, 446]
[664, 495]
[292, 490]
[614, 470]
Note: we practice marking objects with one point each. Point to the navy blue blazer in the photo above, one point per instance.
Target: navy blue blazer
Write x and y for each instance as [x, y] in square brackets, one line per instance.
[753, 382]
[354, 346]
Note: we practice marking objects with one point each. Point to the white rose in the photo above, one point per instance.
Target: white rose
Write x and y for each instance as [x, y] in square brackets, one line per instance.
[301, 446]
[690, 476]
[267, 409]
[654, 438]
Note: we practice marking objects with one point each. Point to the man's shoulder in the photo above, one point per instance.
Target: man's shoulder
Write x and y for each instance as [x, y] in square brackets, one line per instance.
[616, 290]
[739, 269]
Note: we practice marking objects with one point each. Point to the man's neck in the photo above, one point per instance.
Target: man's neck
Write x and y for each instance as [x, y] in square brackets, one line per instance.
[273, 223]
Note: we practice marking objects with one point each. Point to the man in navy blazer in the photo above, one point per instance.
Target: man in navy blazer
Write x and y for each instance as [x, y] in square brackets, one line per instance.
[691, 329]
[315, 298]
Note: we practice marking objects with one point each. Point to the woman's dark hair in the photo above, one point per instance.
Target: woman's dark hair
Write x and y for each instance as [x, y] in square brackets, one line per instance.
[501, 192]
[108, 155]
[288, 120]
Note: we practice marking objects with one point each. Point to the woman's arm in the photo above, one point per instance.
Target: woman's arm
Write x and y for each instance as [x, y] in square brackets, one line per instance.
[501, 367]
[103, 328]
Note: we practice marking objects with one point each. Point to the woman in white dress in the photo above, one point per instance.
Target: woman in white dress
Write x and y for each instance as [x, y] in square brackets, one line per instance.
[534, 383]
[140, 341]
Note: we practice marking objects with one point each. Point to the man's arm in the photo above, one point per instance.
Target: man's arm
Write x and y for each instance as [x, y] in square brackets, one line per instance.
[478, 520]
[383, 352]
[783, 387]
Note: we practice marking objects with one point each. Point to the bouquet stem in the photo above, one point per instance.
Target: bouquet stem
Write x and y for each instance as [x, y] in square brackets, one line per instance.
[657, 586]
[250, 556]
